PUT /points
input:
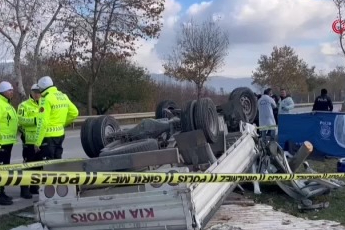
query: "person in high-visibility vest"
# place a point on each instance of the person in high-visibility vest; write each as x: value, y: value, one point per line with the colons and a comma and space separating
x: 8, y: 131
x: 56, y: 111
x: 27, y: 119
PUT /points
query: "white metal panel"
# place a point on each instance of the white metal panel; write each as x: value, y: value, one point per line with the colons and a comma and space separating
x: 147, y: 210
x: 236, y: 160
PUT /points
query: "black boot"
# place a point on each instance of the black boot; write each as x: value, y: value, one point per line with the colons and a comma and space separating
x: 4, y: 199
x: 34, y: 189
x: 25, y: 192
x: 3, y: 194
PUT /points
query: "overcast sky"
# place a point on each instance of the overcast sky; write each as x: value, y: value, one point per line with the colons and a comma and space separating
x: 255, y: 26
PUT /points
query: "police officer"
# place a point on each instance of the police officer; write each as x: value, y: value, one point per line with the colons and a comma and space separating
x: 27, y: 118
x: 56, y: 112
x: 323, y: 102
x: 8, y: 131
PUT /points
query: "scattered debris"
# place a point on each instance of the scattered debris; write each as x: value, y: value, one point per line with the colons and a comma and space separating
x: 264, y: 217
x: 26, y: 215
x: 275, y: 160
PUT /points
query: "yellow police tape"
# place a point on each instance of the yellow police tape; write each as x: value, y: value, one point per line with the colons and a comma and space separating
x: 15, y: 178
x: 36, y: 164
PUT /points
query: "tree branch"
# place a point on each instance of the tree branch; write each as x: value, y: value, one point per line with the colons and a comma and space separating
x: 8, y: 38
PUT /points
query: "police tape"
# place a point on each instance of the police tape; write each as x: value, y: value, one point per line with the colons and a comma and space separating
x: 14, y: 178
x: 36, y: 164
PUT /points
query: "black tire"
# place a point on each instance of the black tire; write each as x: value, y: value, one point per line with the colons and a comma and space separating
x: 103, y: 126
x: 132, y: 147
x: 206, y: 119
x: 237, y: 114
x: 167, y: 104
x: 86, y: 138
x: 187, y: 117
x: 247, y: 99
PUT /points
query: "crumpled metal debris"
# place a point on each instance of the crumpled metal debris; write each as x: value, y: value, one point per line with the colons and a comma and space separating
x: 275, y: 160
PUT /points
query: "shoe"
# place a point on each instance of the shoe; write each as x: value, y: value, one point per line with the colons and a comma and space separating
x: 3, y: 194
x: 6, y: 197
x: 4, y: 201
x: 34, y: 189
x: 25, y: 192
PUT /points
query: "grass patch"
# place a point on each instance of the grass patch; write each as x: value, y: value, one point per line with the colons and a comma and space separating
x: 10, y: 221
x: 274, y: 196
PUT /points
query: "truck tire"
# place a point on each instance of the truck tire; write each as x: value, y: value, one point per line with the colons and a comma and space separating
x: 86, y: 138
x: 206, y: 119
x: 132, y: 147
x: 103, y: 126
x: 248, y: 101
x: 187, y: 116
x: 237, y: 114
x: 166, y: 104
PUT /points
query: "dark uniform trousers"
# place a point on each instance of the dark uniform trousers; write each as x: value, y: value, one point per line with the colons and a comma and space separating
x: 5, y: 154
x: 5, y: 158
x: 51, y: 147
x: 29, y: 155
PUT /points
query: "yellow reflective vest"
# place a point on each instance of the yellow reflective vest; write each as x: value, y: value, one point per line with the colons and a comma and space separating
x: 56, y: 111
x: 8, y: 122
x: 27, y: 116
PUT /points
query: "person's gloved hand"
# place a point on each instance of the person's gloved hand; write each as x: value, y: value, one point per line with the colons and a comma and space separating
x: 283, y: 108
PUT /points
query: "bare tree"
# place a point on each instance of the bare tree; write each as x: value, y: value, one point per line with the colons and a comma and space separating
x: 101, y: 28
x: 340, y: 4
x: 25, y: 23
x: 200, y: 50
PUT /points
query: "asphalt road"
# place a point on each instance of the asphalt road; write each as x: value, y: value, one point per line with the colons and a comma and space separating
x: 72, y: 149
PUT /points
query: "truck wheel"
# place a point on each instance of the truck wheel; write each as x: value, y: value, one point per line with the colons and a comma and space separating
x: 248, y: 101
x: 167, y: 104
x: 206, y: 119
x: 237, y: 114
x: 132, y: 147
x: 187, y: 117
x: 103, y: 126
x: 86, y: 138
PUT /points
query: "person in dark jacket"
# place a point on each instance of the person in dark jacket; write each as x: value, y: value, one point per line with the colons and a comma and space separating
x: 323, y: 102
x: 275, y: 110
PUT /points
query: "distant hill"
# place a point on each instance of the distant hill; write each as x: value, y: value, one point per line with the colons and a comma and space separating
x: 216, y: 82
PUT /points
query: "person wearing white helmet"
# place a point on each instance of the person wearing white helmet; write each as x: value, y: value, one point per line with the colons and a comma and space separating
x: 27, y: 118
x: 8, y: 131
x: 56, y: 111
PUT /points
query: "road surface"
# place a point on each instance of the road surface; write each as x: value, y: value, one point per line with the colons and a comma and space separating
x: 72, y: 149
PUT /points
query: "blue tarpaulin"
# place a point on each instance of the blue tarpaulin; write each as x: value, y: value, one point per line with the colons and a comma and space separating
x: 325, y: 130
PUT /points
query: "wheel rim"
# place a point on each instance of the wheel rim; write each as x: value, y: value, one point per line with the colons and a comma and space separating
x: 109, y: 129
x: 246, y: 104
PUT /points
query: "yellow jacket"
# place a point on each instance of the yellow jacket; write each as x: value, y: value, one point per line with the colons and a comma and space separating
x: 8, y: 122
x: 27, y: 116
x: 56, y: 111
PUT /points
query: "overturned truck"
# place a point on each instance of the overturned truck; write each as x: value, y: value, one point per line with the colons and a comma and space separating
x: 200, y: 137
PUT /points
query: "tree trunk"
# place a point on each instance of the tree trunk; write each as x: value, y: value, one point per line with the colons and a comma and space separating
x: 35, y: 65
x: 18, y: 76
x: 98, y: 110
x: 89, y: 99
x: 199, y: 90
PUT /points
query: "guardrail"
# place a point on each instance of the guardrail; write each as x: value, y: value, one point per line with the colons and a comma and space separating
x: 133, y: 118
x: 301, y: 105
